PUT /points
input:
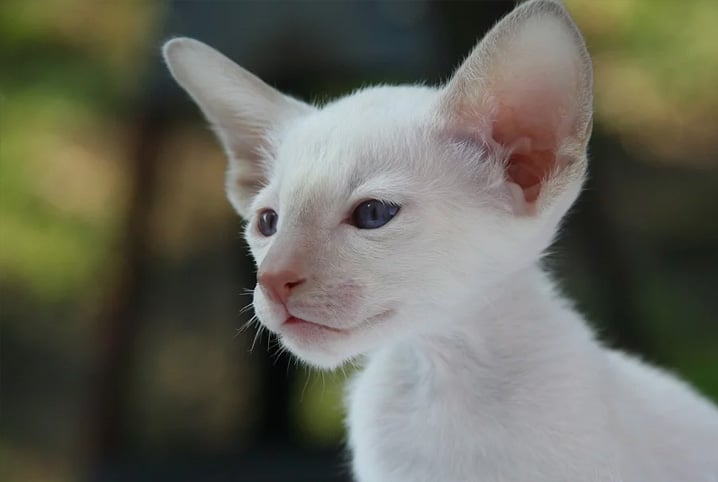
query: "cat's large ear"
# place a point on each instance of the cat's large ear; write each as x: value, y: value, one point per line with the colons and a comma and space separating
x: 525, y: 95
x: 244, y: 112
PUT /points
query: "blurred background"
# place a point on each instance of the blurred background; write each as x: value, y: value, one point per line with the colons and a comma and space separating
x: 122, y: 268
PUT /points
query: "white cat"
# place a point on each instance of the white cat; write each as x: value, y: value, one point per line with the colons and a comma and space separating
x: 405, y: 226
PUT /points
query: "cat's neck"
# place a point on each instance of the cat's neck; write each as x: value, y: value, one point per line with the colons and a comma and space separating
x: 508, y: 328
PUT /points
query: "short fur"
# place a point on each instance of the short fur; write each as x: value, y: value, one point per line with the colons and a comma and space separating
x: 475, y: 368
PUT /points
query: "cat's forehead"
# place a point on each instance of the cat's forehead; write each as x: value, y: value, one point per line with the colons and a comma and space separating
x: 361, y: 138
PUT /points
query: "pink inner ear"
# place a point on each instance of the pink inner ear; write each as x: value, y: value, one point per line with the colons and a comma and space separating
x: 528, y: 171
x: 531, y: 134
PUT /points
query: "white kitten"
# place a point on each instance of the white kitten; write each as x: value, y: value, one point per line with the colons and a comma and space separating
x: 406, y: 224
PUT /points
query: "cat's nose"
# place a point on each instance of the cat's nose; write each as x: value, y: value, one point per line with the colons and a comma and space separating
x: 278, y: 285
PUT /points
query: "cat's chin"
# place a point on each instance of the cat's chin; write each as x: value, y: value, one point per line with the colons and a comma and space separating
x: 318, y: 346
x: 327, y: 347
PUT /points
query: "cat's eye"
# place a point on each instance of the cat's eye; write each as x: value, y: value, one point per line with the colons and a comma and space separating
x: 267, y: 222
x: 372, y: 214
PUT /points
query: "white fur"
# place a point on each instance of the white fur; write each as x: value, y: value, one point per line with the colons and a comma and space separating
x: 475, y: 367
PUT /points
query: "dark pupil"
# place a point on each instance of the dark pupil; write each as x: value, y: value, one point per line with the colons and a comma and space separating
x: 268, y: 222
x: 374, y: 214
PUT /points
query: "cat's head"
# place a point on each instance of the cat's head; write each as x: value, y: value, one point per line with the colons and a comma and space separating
x: 372, y: 216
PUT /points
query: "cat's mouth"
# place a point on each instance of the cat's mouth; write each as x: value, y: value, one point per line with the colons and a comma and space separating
x: 309, y: 332
x: 294, y: 323
x: 326, y: 345
x: 305, y: 328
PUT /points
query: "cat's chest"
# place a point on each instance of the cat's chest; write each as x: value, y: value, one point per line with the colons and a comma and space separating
x: 413, y: 422
x: 404, y: 421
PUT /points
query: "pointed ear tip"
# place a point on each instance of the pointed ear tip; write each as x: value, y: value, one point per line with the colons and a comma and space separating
x: 554, y: 8
x: 172, y: 47
x: 557, y: 9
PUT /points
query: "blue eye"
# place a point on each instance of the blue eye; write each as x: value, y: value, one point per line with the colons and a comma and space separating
x: 373, y: 214
x: 267, y: 222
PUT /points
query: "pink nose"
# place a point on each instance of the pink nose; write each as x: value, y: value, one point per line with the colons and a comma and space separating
x: 278, y: 285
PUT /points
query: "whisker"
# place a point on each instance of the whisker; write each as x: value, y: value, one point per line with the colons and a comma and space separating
x: 257, y: 336
x: 246, y: 307
x: 278, y: 351
x: 246, y: 325
x: 308, y: 374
